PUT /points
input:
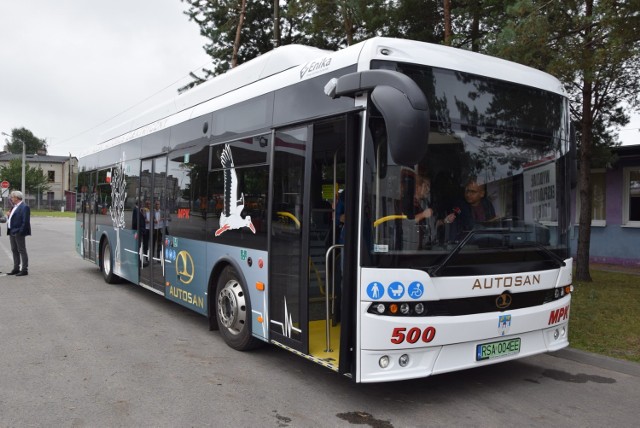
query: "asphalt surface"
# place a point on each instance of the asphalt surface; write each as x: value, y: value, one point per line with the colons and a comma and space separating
x: 77, y: 352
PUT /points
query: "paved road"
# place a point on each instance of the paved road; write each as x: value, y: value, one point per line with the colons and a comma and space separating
x: 77, y: 352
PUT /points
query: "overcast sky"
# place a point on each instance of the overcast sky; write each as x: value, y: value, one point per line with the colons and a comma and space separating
x: 68, y: 68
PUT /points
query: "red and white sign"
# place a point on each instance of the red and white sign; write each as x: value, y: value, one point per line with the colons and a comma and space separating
x: 4, y: 184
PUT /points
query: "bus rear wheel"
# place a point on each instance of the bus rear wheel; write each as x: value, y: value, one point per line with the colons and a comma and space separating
x: 233, y: 311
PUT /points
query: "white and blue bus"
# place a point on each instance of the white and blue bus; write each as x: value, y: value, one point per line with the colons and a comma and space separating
x: 280, y: 200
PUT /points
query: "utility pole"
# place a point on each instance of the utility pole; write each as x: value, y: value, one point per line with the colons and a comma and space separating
x: 24, y: 158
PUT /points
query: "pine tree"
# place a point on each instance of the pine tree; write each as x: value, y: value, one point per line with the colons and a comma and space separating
x: 593, y: 47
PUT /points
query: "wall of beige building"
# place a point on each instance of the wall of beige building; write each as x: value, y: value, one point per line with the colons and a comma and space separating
x: 64, y: 172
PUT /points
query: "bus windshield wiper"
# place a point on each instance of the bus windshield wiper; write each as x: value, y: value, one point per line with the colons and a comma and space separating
x: 510, y: 239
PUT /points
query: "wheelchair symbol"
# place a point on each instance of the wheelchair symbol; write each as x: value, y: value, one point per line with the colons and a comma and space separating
x: 416, y: 290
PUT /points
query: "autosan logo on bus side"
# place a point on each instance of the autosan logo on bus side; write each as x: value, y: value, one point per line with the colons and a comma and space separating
x: 315, y: 66
x: 185, y: 269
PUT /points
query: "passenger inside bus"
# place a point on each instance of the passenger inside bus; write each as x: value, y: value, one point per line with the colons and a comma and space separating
x: 473, y: 208
x: 425, y: 212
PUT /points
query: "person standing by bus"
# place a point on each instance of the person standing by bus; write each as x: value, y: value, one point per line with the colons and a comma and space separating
x: 158, y: 226
x: 18, y: 228
x: 146, y: 231
x: 138, y: 224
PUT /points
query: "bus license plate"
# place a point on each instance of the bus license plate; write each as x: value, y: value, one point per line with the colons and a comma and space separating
x: 502, y: 348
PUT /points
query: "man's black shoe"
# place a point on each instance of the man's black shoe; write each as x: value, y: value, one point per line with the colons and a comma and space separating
x: 13, y: 272
x: 22, y: 273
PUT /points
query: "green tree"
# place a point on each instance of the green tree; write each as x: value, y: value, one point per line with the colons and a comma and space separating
x: 218, y: 21
x: 327, y: 24
x: 593, y: 47
x: 20, y: 136
x: 335, y: 24
x: 421, y: 20
x: 35, y: 179
x: 475, y: 23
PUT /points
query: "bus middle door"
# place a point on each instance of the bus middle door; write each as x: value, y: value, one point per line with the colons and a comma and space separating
x: 153, y: 178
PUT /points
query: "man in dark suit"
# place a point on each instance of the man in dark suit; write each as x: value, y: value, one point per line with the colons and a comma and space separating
x: 18, y: 228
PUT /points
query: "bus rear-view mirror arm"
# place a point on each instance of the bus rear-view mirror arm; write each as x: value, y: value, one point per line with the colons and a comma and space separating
x: 400, y: 101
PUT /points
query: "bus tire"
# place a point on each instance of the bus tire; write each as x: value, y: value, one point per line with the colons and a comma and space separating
x: 106, y: 264
x: 233, y: 311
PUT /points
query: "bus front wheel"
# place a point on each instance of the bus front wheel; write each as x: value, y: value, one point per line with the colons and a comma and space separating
x: 233, y: 311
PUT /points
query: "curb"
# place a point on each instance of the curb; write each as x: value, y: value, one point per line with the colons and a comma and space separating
x: 621, y: 366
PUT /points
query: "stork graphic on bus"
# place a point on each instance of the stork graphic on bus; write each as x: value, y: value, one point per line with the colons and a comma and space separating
x: 231, y: 215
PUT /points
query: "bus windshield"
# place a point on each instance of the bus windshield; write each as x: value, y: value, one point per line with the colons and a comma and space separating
x: 490, y: 190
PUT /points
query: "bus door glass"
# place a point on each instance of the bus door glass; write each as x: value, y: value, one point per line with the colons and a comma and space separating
x: 326, y: 237
x: 153, y: 177
x: 288, y: 256
x: 86, y: 186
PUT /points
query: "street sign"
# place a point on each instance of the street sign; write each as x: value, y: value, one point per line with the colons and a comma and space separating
x: 4, y: 184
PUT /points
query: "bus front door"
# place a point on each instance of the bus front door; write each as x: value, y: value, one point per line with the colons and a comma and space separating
x: 305, y: 252
x: 288, y: 254
x: 327, y: 204
x: 151, y: 237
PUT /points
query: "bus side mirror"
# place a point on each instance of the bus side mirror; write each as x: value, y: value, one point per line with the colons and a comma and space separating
x: 402, y: 104
x: 407, y: 127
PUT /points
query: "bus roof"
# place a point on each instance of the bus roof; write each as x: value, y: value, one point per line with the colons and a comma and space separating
x: 289, y: 64
x: 446, y: 57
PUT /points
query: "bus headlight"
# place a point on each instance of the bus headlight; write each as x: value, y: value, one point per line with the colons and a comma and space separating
x: 404, y: 308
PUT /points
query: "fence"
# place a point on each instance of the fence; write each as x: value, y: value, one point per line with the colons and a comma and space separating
x: 44, y: 205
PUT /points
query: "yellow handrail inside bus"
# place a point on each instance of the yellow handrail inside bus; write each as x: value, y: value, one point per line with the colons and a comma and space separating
x: 291, y: 216
x: 381, y: 220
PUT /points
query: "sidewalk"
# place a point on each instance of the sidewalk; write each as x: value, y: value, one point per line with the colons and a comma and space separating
x: 621, y: 366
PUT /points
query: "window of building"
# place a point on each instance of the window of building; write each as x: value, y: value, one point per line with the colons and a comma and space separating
x: 52, y: 176
x: 631, y: 197
x: 598, y: 199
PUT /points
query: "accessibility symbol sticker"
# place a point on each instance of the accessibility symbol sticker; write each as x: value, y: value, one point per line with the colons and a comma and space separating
x: 396, y: 290
x: 375, y: 290
x: 415, y: 290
